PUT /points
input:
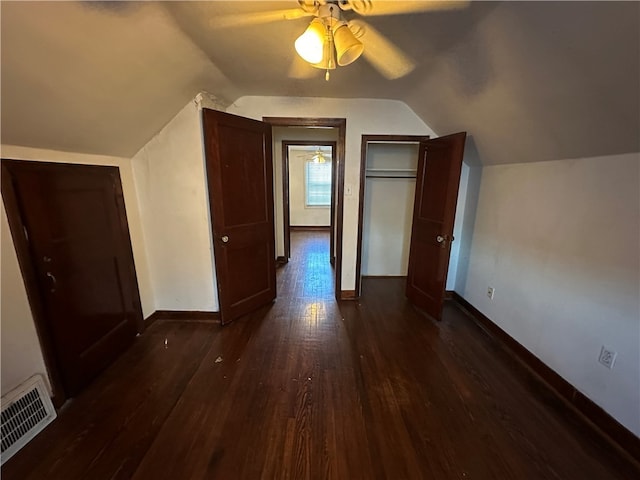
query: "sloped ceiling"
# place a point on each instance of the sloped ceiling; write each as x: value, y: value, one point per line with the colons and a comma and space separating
x: 529, y: 81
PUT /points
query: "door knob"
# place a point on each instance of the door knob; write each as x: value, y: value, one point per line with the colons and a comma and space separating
x: 53, y: 281
x: 439, y: 239
x: 224, y: 239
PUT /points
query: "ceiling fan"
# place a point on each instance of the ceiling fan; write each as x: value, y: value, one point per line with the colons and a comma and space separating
x: 317, y: 156
x: 332, y: 40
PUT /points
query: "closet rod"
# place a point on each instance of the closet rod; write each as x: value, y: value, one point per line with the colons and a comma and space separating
x: 390, y: 176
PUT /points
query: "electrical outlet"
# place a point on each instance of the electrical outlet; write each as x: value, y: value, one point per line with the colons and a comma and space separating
x: 607, y: 357
x: 490, y: 292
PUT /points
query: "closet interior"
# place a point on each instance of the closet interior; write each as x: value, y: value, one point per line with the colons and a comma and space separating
x: 389, y: 189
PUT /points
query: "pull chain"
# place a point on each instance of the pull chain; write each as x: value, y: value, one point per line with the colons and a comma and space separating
x: 330, y: 50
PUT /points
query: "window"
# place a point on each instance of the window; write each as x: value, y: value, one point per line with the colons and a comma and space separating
x: 317, y: 179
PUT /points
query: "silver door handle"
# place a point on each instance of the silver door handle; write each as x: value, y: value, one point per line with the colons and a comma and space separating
x: 54, y: 282
x: 224, y: 239
x: 439, y: 239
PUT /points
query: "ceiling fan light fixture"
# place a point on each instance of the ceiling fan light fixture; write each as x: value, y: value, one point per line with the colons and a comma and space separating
x: 328, y: 61
x: 348, y: 47
x: 311, y: 44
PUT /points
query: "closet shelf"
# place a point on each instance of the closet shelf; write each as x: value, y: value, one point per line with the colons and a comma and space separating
x: 390, y: 173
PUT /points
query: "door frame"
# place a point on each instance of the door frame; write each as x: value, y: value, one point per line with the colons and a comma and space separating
x: 27, y: 263
x: 286, y: 205
x: 341, y: 125
x: 366, y: 139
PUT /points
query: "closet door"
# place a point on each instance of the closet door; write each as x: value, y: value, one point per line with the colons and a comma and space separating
x: 77, y: 262
x: 438, y: 177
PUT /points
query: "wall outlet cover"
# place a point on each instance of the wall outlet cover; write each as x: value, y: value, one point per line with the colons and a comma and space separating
x: 490, y: 292
x: 607, y: 357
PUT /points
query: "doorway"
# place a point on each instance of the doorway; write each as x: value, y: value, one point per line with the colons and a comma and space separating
x: 308, y: 189
x: 437, y: 178
x: 387, y: 193
x: 339, y: 126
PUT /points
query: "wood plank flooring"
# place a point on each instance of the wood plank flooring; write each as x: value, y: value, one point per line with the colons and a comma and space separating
x: 308, y: 388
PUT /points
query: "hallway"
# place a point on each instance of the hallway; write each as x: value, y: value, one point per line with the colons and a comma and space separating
x: 310, y: 388
x: 308, y: 273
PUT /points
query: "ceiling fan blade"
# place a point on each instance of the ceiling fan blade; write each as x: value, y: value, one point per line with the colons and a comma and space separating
x: 257, y: 18
x: 383, y: 55
x: 386, y: 7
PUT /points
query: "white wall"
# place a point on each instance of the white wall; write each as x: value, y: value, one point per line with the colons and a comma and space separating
x: 460, y: 245
x: 21, y: 352
x: 364, y: 116
x: 386, y: 228
x: 169, y: 173
x: 560, y: 243
x: 300, y: 213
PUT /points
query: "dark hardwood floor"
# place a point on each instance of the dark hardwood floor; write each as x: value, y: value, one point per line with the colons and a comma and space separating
x: 311, y: 389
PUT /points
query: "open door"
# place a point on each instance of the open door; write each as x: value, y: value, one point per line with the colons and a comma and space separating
x: 438, y: 177
x: 240, y: 179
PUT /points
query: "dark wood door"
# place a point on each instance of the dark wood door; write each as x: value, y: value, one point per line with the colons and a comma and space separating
x: 240, y: 179
x: 79, y: 251
x: 438, y: 177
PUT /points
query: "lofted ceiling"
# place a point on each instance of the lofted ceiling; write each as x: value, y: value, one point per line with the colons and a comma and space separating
x: 529, y: 81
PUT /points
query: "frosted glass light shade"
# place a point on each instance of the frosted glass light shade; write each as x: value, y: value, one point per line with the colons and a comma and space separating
x: 348, y: 47
x: 310, y: 44
x: 328, y: 61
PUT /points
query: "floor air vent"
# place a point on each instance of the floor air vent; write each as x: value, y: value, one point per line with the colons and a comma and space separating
x: 25, y: 412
